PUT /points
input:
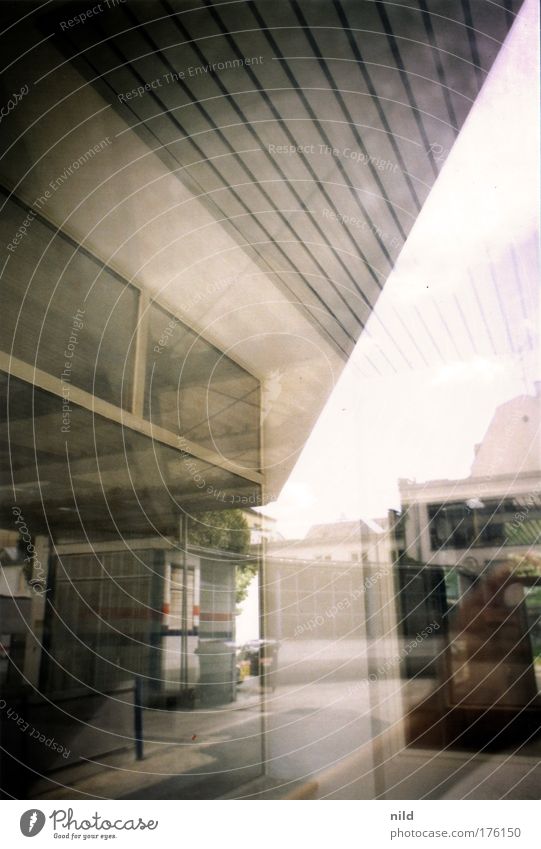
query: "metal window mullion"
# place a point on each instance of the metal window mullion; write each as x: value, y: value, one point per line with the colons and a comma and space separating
x: 140, y: 359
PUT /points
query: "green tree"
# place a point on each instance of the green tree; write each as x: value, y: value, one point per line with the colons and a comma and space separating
x: 225, y: 530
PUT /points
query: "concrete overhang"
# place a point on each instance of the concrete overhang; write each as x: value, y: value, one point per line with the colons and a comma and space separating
x: 264, y: 201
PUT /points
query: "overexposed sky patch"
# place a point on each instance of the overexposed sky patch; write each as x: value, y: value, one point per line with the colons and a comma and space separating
x: 477, y: 230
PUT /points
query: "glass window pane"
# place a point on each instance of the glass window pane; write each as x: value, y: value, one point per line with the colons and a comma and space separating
x: 194, y: 390
x: 67, y: 314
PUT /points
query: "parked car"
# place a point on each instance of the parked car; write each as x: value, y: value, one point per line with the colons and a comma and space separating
x: 263, y: 658
x: 242, y: 664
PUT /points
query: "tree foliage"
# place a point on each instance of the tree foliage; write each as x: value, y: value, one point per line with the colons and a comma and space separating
x: 225, y: 530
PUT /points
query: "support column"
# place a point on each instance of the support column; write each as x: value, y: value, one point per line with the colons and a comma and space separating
x: 34, y: 638
x: 183, y: 534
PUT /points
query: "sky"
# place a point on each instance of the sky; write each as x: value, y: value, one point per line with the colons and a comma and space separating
x: 393, y: 414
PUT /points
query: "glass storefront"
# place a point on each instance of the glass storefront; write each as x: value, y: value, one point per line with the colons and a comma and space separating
x: 271, y: 493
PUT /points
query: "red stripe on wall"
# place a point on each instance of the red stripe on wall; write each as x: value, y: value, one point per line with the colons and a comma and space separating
x: 216, y: 617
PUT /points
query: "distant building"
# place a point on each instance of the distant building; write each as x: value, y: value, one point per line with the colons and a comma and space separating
x: 262, y: 527
x: 478, y: 521
x: 452, y: 533
x: 320, y: 585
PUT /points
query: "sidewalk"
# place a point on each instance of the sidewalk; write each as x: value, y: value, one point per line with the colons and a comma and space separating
x: 182, y: 747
